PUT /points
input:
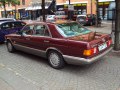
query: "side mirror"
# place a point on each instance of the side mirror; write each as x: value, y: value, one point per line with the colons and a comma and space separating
x: 21, y: 33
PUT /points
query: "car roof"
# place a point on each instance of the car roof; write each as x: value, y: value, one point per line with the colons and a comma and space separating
x: 9, y: 21
x: 7, y: 18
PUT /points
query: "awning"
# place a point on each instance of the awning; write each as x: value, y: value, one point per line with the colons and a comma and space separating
x: 105, y: 0
x: 29, y: 8
x: 35, y: 8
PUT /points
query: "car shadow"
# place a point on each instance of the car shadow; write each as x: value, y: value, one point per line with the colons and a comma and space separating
x: 32, y: 57
x: 84, y: 68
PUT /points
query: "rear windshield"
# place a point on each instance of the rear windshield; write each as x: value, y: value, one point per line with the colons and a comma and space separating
x: 81, y: 17
x: 71, y: 29
x: 60, y: 13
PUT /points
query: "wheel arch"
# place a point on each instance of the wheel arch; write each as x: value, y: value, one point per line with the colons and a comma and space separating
x: 54, y: 49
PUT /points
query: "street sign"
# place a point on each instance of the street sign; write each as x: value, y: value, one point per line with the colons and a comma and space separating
x: 70, y: 7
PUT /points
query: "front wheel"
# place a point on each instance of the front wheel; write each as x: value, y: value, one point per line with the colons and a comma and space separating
x: 10, y: 47
x: 56, y: 60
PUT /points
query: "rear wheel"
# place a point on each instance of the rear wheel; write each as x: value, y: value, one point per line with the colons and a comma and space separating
x: 56, y: 60
x: 10, y: 47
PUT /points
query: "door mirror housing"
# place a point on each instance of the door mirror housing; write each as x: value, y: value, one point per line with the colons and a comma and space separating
x: 21, y: 33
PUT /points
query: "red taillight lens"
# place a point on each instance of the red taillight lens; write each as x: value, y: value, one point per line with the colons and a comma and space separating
x: 86, y: 19
x: 109, y: 42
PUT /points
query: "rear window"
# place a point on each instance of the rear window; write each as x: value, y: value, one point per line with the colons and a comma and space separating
x: 71, y: 29
x: 60, y: 13
x: 82, y: 16
x: 50, y: 16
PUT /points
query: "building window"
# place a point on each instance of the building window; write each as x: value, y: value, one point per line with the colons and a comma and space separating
x: 23, y: 2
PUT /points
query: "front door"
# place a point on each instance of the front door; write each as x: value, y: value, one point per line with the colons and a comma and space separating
x: 22, y: 40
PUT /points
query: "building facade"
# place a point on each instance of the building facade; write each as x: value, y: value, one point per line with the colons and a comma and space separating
x: 89, y: 6
x: 20, y: 9
x: 32, y: 8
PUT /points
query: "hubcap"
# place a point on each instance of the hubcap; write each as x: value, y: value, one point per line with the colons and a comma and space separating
x: 54, y: 59
x: 9, y: 46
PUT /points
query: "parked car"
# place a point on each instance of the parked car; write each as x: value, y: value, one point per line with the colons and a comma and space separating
x: 7, y: 19
x: 61, y: 15
x: 61, y: 42
x: 89, y: 19
x: 50, y: 18
x: 8, y: 27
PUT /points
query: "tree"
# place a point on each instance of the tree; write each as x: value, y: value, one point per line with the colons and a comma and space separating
x: 15, y: 3
x: 117, y: 26
x: 5, y: 2
x: 97, y: 13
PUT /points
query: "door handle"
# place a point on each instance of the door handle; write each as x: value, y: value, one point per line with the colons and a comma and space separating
x: 46, y: 41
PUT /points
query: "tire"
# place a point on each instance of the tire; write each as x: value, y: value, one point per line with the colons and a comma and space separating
x: 10, y: 47
x: 56, y: 60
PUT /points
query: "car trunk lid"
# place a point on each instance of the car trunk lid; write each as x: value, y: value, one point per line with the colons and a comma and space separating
x: 97, y: 42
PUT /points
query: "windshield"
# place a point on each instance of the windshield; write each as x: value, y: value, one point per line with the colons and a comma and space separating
x: 71, y: 29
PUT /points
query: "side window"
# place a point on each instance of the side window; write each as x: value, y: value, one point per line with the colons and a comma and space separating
x: 13, y: 24
x: 41, y: 30
x: 28, y: 30
x: 5, y: 26
x: 19, y: 24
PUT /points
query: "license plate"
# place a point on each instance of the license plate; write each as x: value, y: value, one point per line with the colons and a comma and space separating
x: 103, y: 46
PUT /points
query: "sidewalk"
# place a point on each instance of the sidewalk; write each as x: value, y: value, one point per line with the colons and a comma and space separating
x: 106, y: 21
x: 4, y: 85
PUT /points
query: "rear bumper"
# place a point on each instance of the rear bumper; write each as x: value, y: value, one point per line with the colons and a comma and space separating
x: 79, y: 61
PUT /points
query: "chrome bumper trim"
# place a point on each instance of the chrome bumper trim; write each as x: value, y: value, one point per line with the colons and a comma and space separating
x: 78, y: 60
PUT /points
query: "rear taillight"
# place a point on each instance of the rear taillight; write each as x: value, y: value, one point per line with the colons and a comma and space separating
x: 90, y: 52
x: 86, y: 19
x: 109, y: 42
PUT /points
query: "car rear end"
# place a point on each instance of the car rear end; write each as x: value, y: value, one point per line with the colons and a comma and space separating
x: 50, y: 18
x: 92, y: 50
x: 60, y: 15
x: 82, y: 19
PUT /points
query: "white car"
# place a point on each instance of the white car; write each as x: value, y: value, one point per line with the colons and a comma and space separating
x: 50, y: 18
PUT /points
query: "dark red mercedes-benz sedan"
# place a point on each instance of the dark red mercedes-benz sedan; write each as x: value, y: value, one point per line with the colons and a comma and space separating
x: 60, y: 42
